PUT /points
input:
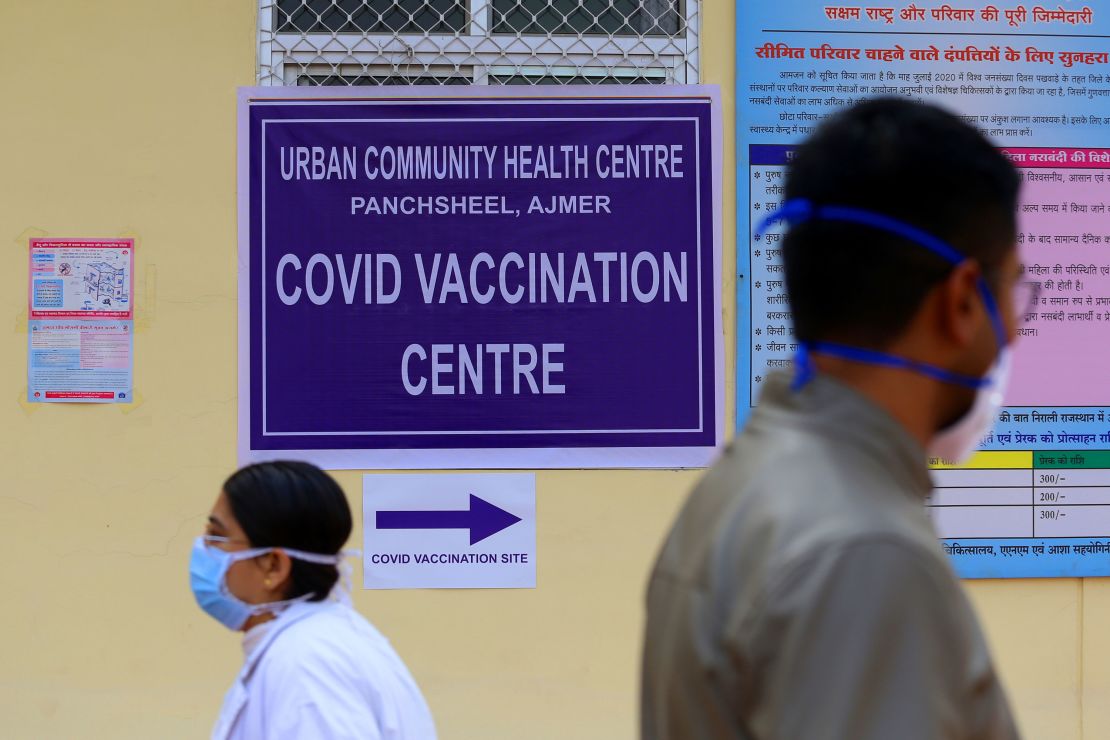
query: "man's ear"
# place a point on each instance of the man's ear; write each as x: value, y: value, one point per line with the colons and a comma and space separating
x: 959, y: 305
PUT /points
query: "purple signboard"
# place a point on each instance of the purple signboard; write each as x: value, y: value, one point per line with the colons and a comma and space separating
x: 493, y: 278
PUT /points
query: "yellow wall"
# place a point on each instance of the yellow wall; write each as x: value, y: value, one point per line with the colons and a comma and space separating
x: 118, y: 119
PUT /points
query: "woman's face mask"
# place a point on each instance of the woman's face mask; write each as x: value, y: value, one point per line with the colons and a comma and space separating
x: 208, y: 566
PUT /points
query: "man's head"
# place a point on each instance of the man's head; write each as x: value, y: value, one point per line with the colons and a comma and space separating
x: 862, y: 286
x: 918, y: 164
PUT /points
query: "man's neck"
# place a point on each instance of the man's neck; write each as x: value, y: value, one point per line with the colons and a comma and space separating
x: 910, y: 398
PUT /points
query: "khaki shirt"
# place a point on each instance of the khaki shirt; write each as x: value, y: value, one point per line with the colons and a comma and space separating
x: 803, y: 594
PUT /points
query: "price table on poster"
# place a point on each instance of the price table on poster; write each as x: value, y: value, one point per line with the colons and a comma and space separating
x: 1050, y: 508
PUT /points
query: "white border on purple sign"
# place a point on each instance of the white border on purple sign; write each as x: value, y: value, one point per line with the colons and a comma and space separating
x: 469, y: 459
x: 477, y: 433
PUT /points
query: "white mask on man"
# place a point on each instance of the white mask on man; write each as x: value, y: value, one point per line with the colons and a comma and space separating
x: 959, y: 440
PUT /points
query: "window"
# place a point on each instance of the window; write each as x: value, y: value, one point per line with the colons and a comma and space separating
x: 595, y: 17
x: 453, y: 42
x: 371, y: 16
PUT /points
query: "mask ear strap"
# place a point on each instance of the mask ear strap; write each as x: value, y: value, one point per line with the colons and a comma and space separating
x: 891, y: 225
x: 799, y: 210
x: 792, y: 212
x: 248, y: 554
x: 803, y: 368
x: 882, y: 359
x: 992, y: 312
x: 341, y: 592
x: 314, y: 557
x: 277, y: 606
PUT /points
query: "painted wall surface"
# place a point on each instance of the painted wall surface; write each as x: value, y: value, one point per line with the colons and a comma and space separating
x: 118, y: 119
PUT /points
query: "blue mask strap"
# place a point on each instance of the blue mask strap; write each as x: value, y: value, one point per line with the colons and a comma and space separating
x: 872, y: 357
x: 992, y: 312
x: 804, y: 370
x: 800, y: 210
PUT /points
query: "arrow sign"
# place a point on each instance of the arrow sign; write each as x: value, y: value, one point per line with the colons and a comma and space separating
x: 483, y: 519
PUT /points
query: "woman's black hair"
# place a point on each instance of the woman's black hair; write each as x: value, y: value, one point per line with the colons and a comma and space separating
x: 294, y: 505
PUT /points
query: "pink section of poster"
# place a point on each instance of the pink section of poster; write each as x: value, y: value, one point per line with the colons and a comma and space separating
x: 1064, y: 238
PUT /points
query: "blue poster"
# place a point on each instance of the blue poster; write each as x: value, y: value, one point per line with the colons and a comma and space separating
x: 487, y: 279
x: 1036, y: 79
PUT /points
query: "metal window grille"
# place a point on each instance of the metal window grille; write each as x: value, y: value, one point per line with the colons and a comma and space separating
x: 484, y: 42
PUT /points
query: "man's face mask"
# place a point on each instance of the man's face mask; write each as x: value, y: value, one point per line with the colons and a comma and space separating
x: 957, y: 441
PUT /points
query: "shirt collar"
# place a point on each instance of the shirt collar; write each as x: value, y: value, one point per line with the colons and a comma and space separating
x: 831, y: 408
x: 253, y: 637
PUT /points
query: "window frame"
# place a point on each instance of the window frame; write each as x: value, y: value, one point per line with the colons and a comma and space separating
x: 284, y: 57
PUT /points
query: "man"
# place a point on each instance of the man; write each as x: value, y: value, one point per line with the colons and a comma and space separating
x: 802, y: 593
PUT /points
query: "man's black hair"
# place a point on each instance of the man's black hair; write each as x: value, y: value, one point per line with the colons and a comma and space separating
x: 911, y: 161
x: 294, y: 505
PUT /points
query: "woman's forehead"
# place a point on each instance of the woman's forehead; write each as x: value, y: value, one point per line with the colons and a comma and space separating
x: 222, y: 517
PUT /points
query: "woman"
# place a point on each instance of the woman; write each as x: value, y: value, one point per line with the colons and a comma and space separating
x: 314, y: 668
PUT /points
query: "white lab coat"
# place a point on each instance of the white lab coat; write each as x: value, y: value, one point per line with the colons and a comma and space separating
x: 323, y: 672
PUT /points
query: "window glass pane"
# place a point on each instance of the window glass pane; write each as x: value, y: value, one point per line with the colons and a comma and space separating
x: 371, y: 16
x: 371, y: 80
x: 601, y: 17
x: 522, y: 79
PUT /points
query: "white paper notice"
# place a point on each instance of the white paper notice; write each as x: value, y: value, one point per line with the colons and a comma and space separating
x: 80, y: 329
x: 449, y: 531
x: 82, y: 279
x: 79, y: 361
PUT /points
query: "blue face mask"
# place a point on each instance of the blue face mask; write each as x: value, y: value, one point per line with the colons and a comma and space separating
x: 208, y: 568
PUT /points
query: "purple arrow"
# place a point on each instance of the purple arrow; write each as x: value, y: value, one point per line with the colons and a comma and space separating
x: 483, y: 519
